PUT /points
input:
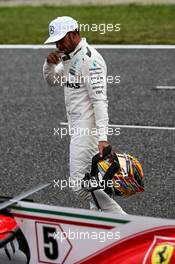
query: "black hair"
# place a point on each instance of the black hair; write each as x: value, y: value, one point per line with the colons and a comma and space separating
x: 77, y: 31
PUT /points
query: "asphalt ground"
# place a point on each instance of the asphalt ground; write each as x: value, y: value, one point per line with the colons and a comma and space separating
x: 30, y: 110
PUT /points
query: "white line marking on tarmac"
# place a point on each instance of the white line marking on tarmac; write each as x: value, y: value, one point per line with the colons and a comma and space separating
x: 97, y: 46
x: 165, y: 87
x: 132, y: 126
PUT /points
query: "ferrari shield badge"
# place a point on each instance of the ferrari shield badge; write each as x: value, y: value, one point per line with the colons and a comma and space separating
x: 161, y: 251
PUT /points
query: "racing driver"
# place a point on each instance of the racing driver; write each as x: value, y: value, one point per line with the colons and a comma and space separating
x: 84, y: 73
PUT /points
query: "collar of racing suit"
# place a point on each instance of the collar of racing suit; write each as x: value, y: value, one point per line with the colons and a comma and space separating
x: 76, y: 50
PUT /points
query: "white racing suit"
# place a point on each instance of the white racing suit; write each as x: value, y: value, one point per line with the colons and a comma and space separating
x: 83, y: 75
